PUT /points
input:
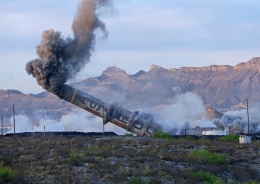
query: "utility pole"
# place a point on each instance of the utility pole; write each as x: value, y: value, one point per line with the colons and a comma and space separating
x: 103, y: 121
x: 185, y: 129
x: 14, y: 118
x: 103, y: 130
x: 247, y: 116
x: 2, y: 119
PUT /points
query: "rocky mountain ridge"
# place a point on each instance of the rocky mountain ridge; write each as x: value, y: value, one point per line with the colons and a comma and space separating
x: 219, y: 86
x: 254, y: 63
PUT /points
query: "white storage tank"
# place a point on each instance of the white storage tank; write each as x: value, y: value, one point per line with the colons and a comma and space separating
x: 215, y: 132
x: 244, y: 139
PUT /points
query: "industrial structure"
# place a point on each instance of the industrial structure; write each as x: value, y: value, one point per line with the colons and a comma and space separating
x: 142, y: 124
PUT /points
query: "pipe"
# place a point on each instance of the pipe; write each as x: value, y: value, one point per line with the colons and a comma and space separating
x: 142, y: 124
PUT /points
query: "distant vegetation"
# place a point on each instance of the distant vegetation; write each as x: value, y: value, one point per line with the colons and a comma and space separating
x: 209, y: 157
x: 206, y: 177
x: 230, y: 138
x: 138, y: 180
x: 162, y: 135
x: 128, y: 134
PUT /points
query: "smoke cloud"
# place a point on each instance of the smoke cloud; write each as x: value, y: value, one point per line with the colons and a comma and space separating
x: 60, y: 59
x: 237, y: 122
x: 81, y: 121
x: 182, y: 113
x: 21, y: 126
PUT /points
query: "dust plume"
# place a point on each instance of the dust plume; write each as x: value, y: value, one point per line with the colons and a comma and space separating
x: 81, y: 121
x: 183, y: 112
x: 237, y: 121
x: 60, y: 59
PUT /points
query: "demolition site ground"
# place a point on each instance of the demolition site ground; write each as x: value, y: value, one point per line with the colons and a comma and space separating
x: 85, y: 159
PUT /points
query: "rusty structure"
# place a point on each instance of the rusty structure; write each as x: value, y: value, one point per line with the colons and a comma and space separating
x: 141, y: 124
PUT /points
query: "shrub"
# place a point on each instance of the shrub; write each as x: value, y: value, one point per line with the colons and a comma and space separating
x: 6, y: 174
x: 191, y: 138
x: 253, y: 182
x: 94, y: 148
x: 162, y: 135
x: 230, y: 138
x: 76, y: 158
x: 74, y: 155
x: 128, y: 135
x: 208, y: 157
x: 138, y: 180
x: 206, y: 177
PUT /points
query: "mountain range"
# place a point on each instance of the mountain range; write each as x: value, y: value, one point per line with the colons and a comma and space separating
x: 219, y: 86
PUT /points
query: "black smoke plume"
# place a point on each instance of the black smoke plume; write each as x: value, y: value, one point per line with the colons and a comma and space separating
x: 60, y: 59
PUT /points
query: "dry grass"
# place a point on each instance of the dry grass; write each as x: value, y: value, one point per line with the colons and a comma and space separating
x: 57, y: 159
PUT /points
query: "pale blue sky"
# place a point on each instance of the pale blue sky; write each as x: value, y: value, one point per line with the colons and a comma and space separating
x: 168, y: 33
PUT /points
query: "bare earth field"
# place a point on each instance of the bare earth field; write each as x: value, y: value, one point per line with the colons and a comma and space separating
x: 82, y: 159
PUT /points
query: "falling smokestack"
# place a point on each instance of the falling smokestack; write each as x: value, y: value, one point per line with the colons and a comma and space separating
x: 61, y: 59
x: 141, y: 124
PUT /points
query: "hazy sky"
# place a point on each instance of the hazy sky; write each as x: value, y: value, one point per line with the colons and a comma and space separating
x: 168, y: 33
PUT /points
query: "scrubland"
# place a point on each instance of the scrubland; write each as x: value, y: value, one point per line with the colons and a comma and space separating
x: 82, y: 159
